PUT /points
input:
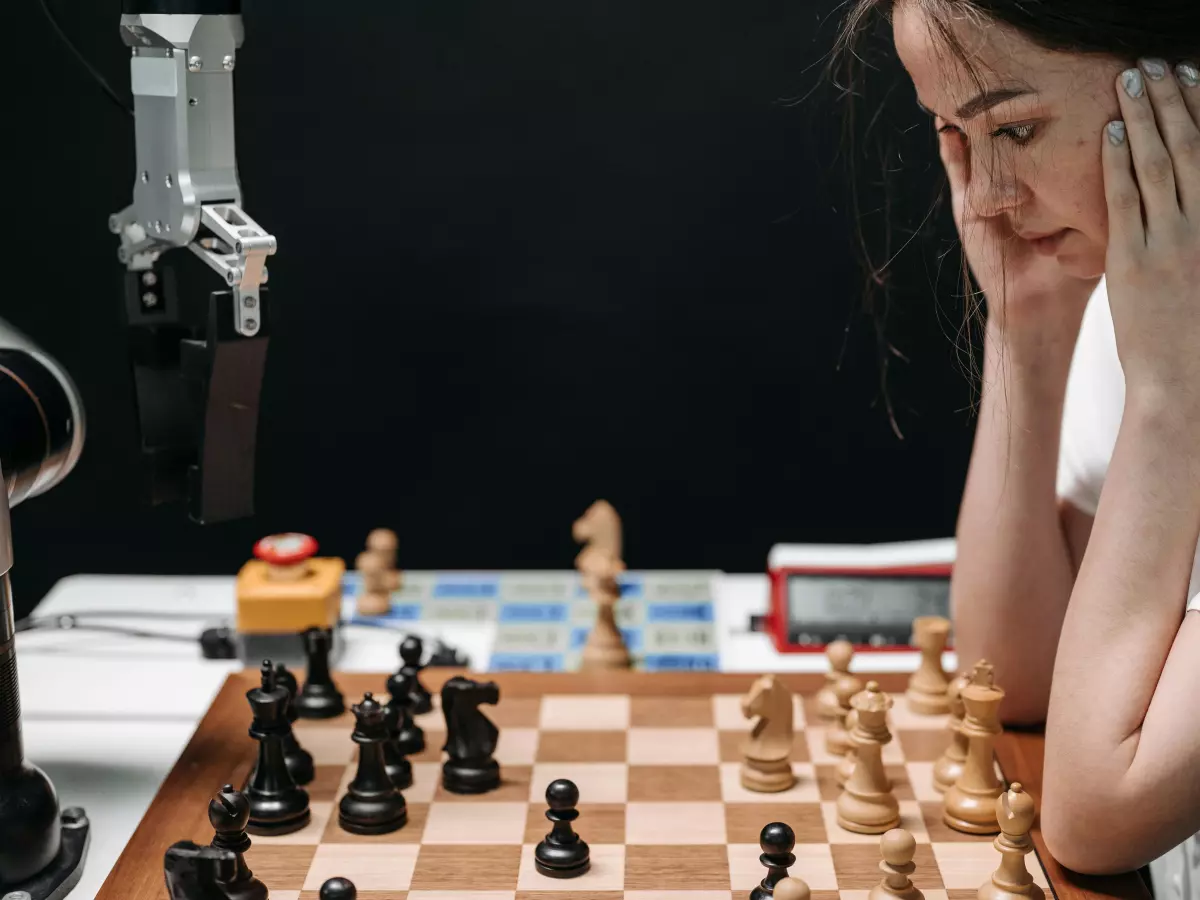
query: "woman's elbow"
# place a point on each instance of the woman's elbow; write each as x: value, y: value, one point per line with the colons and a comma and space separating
x: 1085, y: 841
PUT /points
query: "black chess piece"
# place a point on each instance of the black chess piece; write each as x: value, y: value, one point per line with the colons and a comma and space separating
x: 404, y: 736
x: 319, y: 698
x: 372, y: 804
x: 470, y: 737
x: 562, y: 853
x: 229, y: 813
x: 338, y: 889
x: 277, y: 804
x: 193, y: 872
x: 411, y: 651
x: 299, y: 761
x: 777, y: 841
x: 445, y: 656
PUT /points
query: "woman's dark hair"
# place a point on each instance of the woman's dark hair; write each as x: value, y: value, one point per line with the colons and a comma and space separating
x: 1122, y: 29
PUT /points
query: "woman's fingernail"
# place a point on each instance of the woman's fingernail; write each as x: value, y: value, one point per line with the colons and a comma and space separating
x: 1189, y: 75
x: 1155, y: 69
x: 1116, y: 133
x: 1134, y: 85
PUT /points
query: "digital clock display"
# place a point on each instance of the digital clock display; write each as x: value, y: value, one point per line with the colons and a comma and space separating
x: 864, y: 609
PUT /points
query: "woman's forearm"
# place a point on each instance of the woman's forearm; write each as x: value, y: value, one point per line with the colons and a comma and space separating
x: 1013, y: 571
x: 1123, y: 737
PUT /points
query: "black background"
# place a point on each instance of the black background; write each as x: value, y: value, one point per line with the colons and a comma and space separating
x: 531, y: 253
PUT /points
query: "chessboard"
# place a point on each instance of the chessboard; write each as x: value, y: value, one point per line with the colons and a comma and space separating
x: 656, y: 760
x: 542, y: 619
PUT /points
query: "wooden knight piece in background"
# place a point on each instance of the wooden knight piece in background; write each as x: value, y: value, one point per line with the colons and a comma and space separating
x: 599, y: 564
x: 767, y: 753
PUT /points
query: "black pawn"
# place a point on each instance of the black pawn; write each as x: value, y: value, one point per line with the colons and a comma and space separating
x: 338, y: 889
x: 229, y: 813
x: 319, y: 698
x: 372, y: 805
x: 776, y: 841
x: 562, y: 854
x: 399, y: 722
x: 277, y: 804
x: 299, y: 761
x: 411, y: 651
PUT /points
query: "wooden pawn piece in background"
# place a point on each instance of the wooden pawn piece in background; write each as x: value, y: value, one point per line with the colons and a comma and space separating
x: 837, y: 738
x: 839, y: 654
x: 926, y: 693
x: 949, y: 766
x: 898, y: 848
x: 792, y: 888
x: 375, y: 597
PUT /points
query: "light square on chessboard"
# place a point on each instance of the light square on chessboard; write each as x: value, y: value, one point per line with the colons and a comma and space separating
x: 727, y: 713
x: 923, y: 746
x: 731, y: 744
x: 857, y: 866
x: 678, y: 895
x: 361, y: 895
x: 319, y: 814
x: 514, y: 786
x: 426, y: 778
x: 578, y: 712
x: 598, y: 823
x: 282, y: 866
x: 814, y: 863
x: 483, y: 823
x: 940, y: 832
x: 902, y: 718
x: 597, y: 782
x: 677, y: 868
x: 675, y: 823
x: 920, y: 776
x: 830, y: 790
x: 606, y: 873
x: 968, y: 865
x: 910, y: 820
x: 452, y: 895
x: 672, y: 746
x: 372, y: 867
x: 892, y: 753
x: 328, y: 746
x: 482, y: 868
x: 865, y: 895
x: 287, y: 895
x: 411, y: 832
x: 674, y: 783
x: 582, y: 895
x: 516, y: 746
x: 571, y: 746
x: 744, y: 822
x: 671, y: 712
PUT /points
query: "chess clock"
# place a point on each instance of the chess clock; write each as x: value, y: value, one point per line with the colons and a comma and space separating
x: 868, y: 595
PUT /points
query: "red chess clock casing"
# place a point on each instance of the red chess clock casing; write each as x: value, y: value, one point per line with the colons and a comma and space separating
x: 868, y: 595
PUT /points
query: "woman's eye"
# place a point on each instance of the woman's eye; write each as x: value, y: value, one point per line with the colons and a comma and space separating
x: 1018, y: 134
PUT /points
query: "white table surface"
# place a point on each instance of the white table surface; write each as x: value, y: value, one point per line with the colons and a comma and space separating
x: 107, y: 716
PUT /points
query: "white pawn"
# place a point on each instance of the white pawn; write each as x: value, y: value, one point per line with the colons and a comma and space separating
x: 898, y: 848
x: 839, y: 654
x: 791, y: 888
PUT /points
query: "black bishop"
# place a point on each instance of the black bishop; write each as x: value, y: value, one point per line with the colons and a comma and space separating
x: 229, y: 813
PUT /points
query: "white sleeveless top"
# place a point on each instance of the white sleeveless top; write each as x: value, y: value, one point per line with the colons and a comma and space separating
x: 1092, y: 417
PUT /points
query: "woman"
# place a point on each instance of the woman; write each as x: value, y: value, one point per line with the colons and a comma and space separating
x: 1068, y: 130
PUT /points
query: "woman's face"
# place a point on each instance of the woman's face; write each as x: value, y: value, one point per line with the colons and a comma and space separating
x: 1034, y: 129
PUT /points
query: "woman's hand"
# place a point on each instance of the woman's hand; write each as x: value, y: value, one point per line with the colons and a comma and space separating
x: 1152, y: 183
x: 1028, y: 294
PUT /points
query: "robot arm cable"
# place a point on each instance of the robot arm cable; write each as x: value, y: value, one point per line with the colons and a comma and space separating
x: 83, y: 61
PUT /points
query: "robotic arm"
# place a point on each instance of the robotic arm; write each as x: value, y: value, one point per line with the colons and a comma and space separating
x: 197, y: 367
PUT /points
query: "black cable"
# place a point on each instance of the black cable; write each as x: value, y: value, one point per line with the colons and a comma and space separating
x: 82, y: 59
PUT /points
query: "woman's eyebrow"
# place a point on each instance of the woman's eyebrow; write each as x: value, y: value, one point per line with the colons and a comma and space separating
x: 981, y: 104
